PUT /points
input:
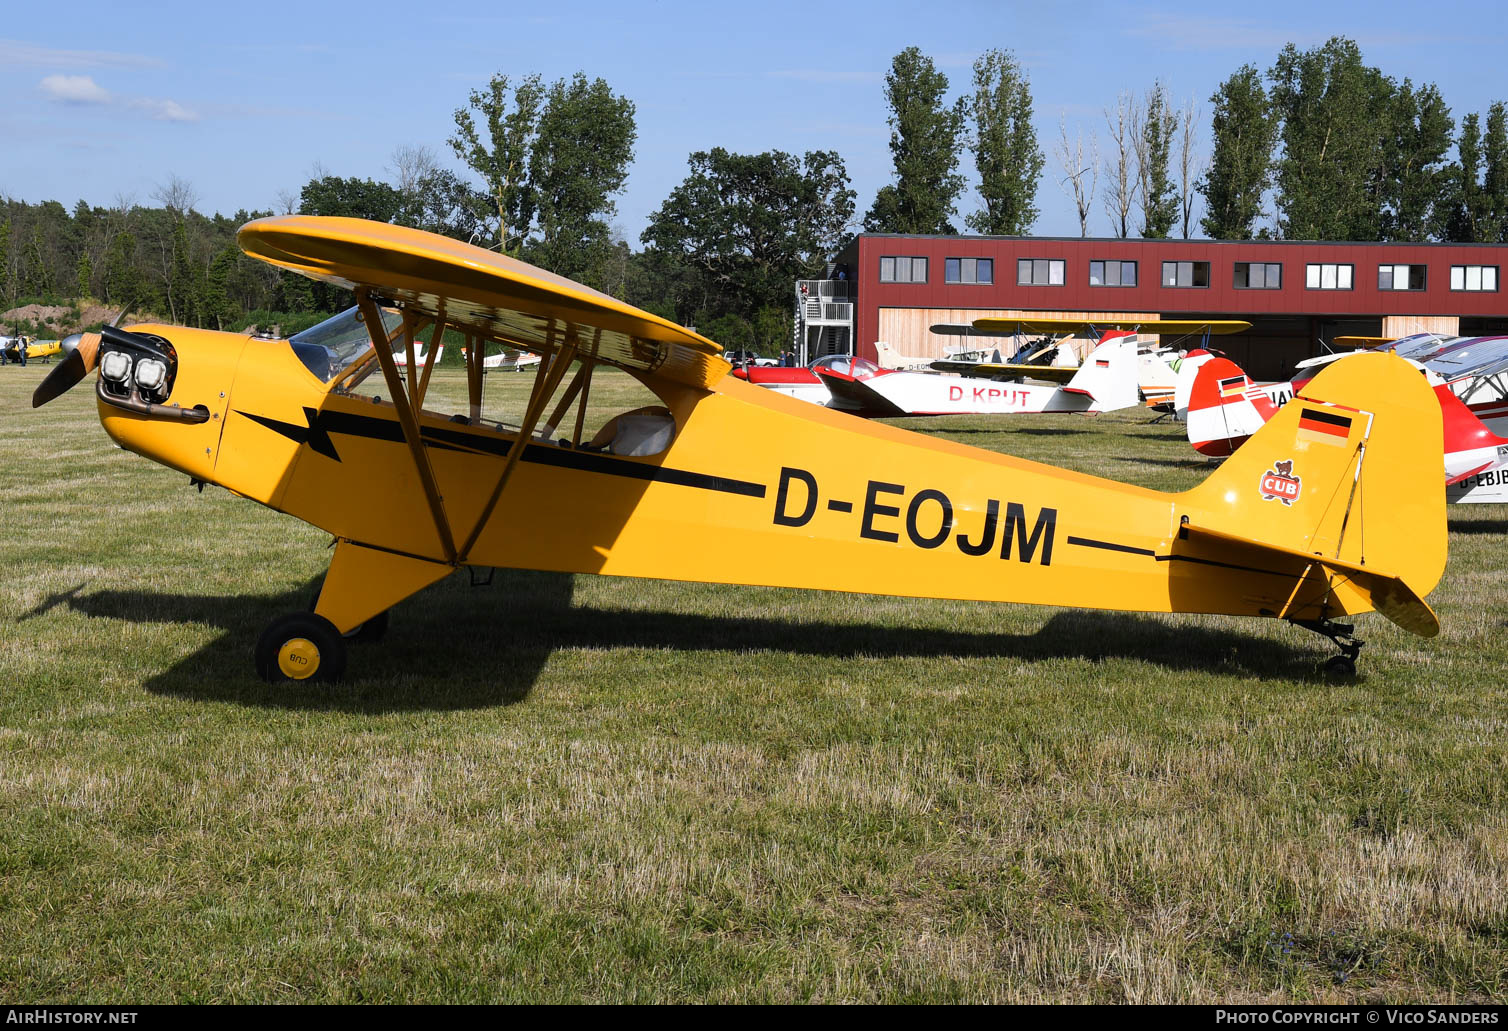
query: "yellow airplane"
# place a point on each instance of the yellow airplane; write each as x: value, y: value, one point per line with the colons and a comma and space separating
x: 36, y: 350
x: 1300, y: 525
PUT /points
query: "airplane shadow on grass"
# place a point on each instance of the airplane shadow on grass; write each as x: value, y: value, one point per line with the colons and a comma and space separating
x: 1478, y: 526
x: 455, y: 648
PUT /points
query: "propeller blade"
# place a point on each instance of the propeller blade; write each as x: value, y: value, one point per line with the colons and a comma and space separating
x: 69, y: 371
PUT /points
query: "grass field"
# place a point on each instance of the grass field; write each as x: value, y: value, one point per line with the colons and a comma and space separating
x: 562, y: 788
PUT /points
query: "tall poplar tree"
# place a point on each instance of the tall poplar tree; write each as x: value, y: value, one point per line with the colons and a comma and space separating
x: 1154, y: 127
x: 1334, y: 111
x: 924, y: 139
x: 1005, y: 147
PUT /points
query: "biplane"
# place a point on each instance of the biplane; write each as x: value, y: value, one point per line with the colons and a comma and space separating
x: 322, y: 427
x: 1226, y: 407
x: 1156, y: 374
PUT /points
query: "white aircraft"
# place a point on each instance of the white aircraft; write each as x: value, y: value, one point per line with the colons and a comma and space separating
x: 1104, y: 383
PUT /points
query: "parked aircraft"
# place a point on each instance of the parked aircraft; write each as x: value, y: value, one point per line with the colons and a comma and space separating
x: 815, y: 498
x: 1226, y: 407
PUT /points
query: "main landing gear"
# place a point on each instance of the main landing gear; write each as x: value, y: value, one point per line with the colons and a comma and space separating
x: 303, y: 647
x: 359, y: 589
x: 1344, y: 664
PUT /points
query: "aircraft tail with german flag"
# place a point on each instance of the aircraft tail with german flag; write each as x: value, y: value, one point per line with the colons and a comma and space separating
x: 1339, y: 495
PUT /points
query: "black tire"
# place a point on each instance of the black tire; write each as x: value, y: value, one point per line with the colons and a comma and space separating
x: 1340, y: 666
x: 310, y: 641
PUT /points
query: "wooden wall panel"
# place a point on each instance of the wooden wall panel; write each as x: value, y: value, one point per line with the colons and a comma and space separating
x: 908, y: 330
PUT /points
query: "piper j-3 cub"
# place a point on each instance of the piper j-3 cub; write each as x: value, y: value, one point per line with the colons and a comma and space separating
x: 1286, y: 529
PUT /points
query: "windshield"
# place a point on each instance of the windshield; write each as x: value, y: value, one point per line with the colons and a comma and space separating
x: 331, y: 347
x: 847, y: 365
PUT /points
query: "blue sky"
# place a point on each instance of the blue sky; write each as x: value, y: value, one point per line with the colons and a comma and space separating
x: 108, y: 100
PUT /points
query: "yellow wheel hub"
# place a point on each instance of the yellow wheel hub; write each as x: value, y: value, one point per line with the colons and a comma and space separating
x: 298, y: 658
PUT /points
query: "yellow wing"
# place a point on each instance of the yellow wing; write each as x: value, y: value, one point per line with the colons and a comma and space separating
x: 1358, y: 341
x: 1214, y: 327
x: 1004, y: 370
x: 493, y: 295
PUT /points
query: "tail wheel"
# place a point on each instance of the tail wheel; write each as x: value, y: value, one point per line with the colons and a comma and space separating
x: 372, y: 631
x: 301, y: 648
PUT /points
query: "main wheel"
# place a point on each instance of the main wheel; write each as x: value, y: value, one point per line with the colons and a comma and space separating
x: 301, y: 647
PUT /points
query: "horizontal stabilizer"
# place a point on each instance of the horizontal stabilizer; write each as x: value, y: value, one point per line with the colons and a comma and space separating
x: 1389, y: 595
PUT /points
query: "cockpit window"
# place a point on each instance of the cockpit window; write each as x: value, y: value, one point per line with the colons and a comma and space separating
x: 847, y: 365
x: 331, y: 347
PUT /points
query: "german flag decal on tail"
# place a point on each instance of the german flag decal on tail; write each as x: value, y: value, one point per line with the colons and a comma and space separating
x: 1320, y: 426
x: 1235, y: 386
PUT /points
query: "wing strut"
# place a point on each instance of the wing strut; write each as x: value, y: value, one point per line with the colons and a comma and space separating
x: 432, y: 360
x: 410, y: 424
x: 551, y: 371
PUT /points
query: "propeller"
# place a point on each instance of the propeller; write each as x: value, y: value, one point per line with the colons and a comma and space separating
x: 82, y: 357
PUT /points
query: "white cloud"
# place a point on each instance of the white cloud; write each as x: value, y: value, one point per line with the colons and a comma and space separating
x: 165, y: 110
x: 75, y: 89
x: 16, y: 52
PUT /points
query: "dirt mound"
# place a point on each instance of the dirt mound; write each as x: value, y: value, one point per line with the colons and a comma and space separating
x: 46, y: 320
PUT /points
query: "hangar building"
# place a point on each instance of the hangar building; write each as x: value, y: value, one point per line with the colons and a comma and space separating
x: 1297, y: 295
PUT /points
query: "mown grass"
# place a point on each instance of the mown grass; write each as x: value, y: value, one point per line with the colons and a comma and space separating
x: 564, y: 788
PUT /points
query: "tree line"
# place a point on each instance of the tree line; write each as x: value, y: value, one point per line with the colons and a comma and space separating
x: 1320, y: 146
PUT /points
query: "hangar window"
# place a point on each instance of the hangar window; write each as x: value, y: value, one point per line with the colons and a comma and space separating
x: 1400, y: 277
x: 903, y: 270
x: 969, y: 270
x: 1256, y: 275
x: 1040, y: 271
x: 1474, y: 277
x: 1186, y: 273
x: 1325, y: 276
x: 1112, y: 273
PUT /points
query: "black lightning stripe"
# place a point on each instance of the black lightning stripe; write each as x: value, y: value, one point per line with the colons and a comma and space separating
x: 1089, y: 542
x: 321, y: 424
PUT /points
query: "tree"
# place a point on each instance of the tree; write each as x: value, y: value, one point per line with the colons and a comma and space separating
x: 1189, y: 163
x: 1334, y: 110
x: 177, y: 195
x: 442, y: 202
x: 7, y: 280
x: 924, y: 137
x: 1121, y: 189
x: 350, y: 198
x: 123, y: 280
x: 1074, y: 166
x: 1005, y: 147
x: 1495, y: 178
x: 1244, y: 130
x: 1153, y: 126
x: 578, y: 160
x: 179, y: 286
x: 502, y: 158
x: 1414, y: 178
x: 748, y: 226
x: 1467, y: 198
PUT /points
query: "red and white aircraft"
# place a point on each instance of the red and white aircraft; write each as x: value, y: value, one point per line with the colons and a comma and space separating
x: 1104, y: 383
x: 1226, y: 407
